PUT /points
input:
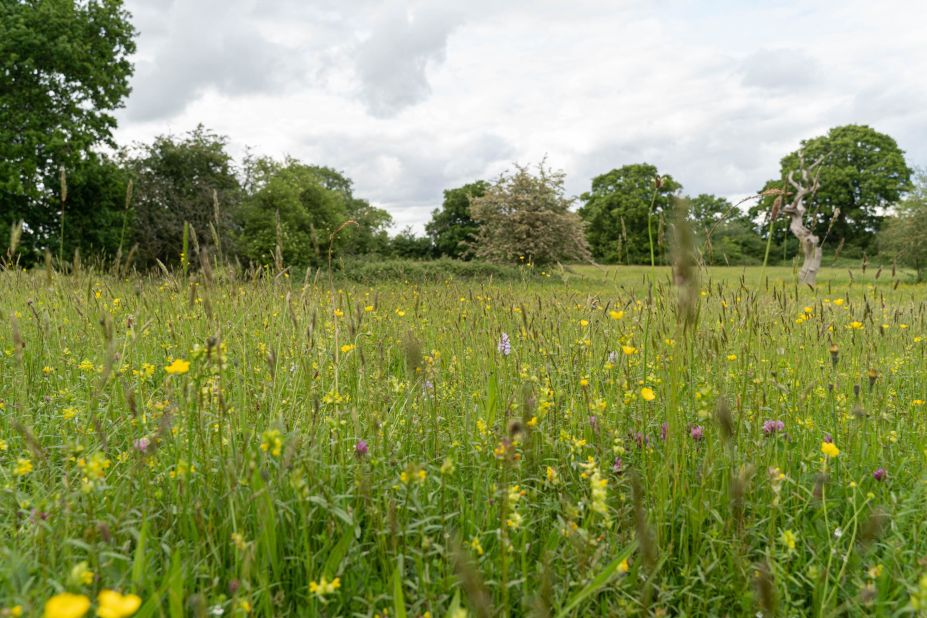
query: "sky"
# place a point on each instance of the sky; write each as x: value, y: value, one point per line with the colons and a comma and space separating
x: 409, y: 98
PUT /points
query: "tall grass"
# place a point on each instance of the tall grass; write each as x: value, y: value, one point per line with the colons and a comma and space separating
x: 375, y: 434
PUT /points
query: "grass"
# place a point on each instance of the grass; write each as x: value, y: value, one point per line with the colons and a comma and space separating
x: 342, y: 449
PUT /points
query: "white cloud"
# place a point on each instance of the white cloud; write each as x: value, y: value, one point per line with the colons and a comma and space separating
x: 412, y: 97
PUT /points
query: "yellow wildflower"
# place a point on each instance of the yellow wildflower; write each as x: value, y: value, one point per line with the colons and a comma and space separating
x: 115, y: 605
x: 272, y: 441
x: 789, y: 539
x: 324, y: 587
x: 81, y: 575
x: 66, y: 605
x: 648, y: 394
x: 23, y: 467
x: 551, y: 475
x: 178, y: 367
x: 830, y: 449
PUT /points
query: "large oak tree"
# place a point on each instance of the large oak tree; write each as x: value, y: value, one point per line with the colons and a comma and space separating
x: 617, y: 209
x: 862, y: 172
x: 64, y: 68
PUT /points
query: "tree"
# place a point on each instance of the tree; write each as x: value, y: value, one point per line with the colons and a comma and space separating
x: 370, y: 234
x: 290, y: 207
x: 724, y: 234
x: 902, y: 236
x: 452, y: 229
x: 64, y: 67
x: 525, y: 216
x: 862, y: 172
x: 301, y: 207
x: 181, y: 180
x: 618, y: 208
x: 804, y: 183
x: 96, y: 207
x: 407, y: 245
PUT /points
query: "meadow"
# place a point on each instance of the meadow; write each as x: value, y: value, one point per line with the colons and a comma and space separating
x: 574, y: 443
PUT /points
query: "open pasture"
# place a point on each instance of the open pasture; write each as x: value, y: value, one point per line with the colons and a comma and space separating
x: 564, y: 445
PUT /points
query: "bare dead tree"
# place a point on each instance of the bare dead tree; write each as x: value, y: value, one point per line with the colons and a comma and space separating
x: 805, y: 186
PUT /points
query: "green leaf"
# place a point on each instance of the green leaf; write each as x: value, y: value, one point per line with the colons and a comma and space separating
x: 598, y: 581
x: 337, y: 554
x: 399, y: 601
x: 138, y: 563
x: 175, y: 586
x: 454, y: 606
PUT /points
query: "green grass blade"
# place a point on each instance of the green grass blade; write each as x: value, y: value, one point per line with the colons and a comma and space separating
x: 600, y: 580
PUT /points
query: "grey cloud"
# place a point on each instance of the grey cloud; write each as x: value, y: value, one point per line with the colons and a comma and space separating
x: 731, y: 155
x: 349, y: 83
x: 780, y: 70
x: 408, y: 174
x: 188, y: 49
x: 392, y: 61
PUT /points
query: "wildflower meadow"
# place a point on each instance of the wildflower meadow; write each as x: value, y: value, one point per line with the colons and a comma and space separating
x: 595, y: 442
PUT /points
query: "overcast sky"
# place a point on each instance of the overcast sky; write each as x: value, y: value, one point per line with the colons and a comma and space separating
x: 410, y: 98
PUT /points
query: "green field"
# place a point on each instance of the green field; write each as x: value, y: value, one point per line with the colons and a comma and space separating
x: 232, y: 447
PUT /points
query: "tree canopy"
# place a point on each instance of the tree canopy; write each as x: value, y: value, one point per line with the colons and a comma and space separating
x: 903, y: 235
x: 862, y: 172
x: 452, y: 229
x: 724, y: 234
x: 300, y: 207
x: 616, y: 211
x: 525, y: 216
x: 190, y: 179
x: 64, y: 68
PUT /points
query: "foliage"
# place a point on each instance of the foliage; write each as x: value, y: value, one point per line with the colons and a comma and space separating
x: 189, y: 179
x: 862, y: 173
x: 301, y: 207
x: 407, y: 245
x: 904, y: 234
x: 284, y: 447
x: 526, y: 217
x: 452, y: 229
x: 617, y: 208
x: 95, y: 209
x: 64, y: 67
x: 369, y: 235
x: 724, y: 233
x: 375, y: 272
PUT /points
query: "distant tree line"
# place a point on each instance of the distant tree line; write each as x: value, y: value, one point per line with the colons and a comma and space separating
x: 67, y: 188
x: 866, y: 190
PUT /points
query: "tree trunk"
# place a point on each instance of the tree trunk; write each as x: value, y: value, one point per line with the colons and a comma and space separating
x: 809, y: 242
x: 810, y: 246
